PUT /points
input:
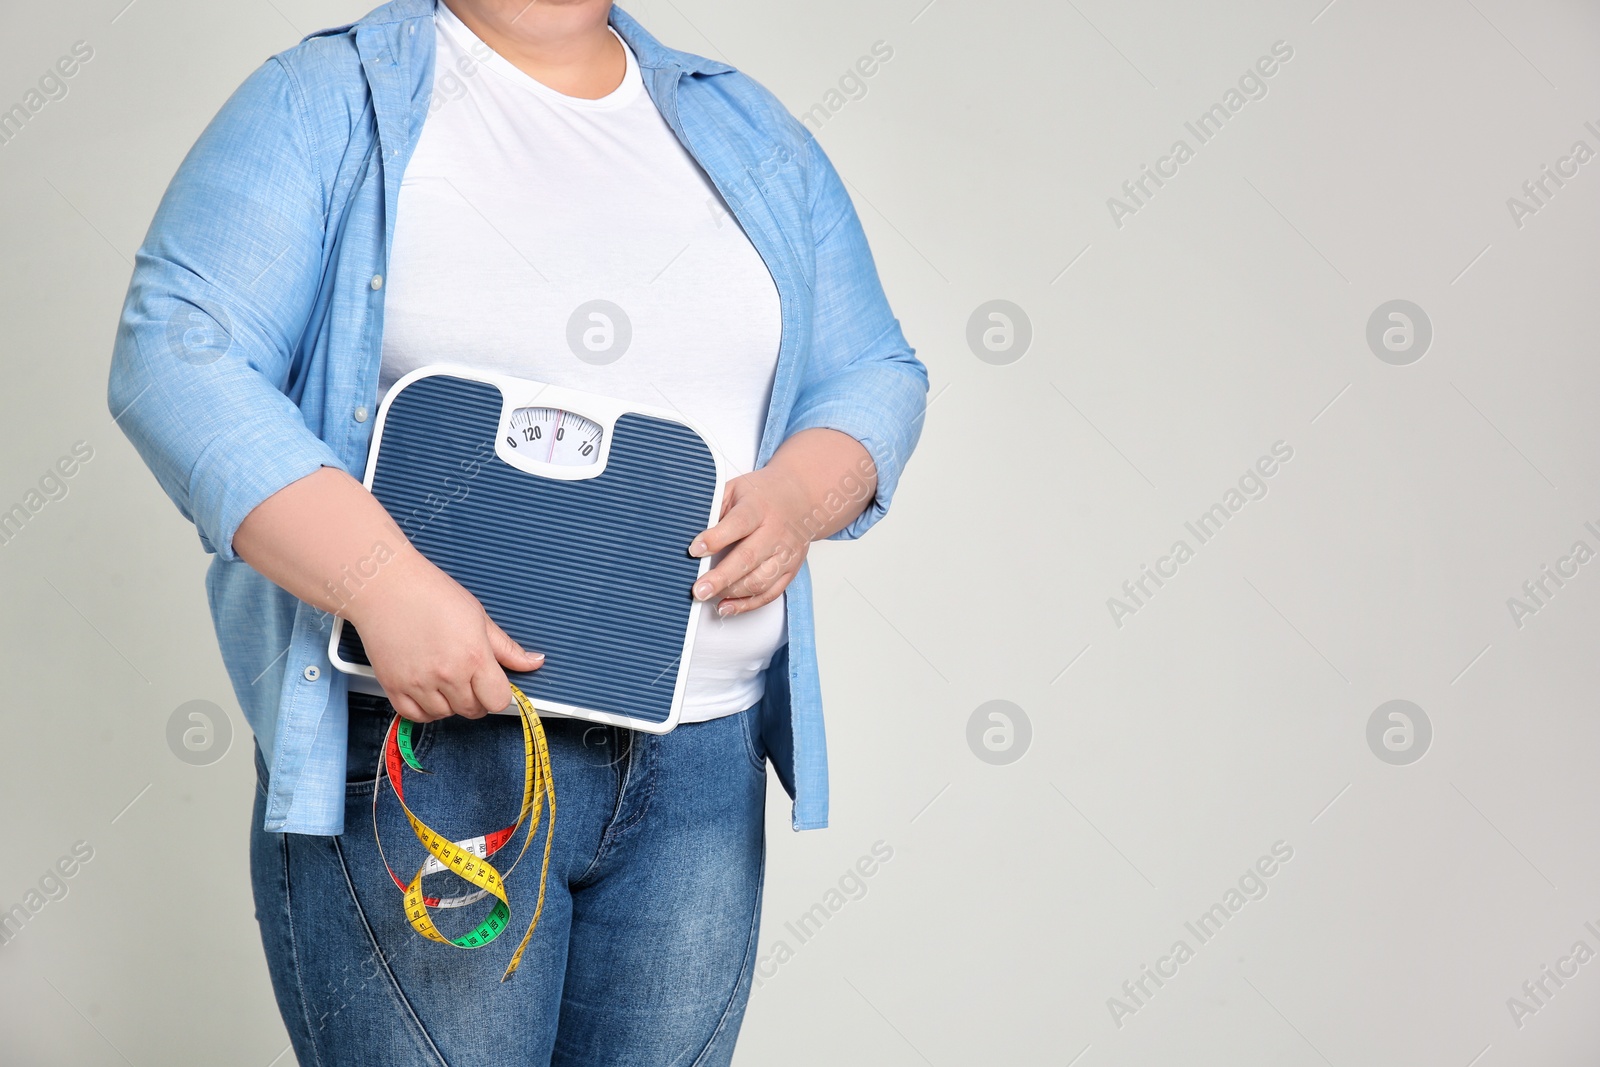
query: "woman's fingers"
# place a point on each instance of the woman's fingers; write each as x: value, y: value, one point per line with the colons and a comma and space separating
x: 491, y: 688
x: 461, y: 696
x: 754, y: 581
x: 511, y: 655
x: 423, y: 703
x: 490, y: 685
x: 737, y: 522
x: 782, y: 559
x: 738, y: 605
x: 407, y: 708
x: 739, y: 561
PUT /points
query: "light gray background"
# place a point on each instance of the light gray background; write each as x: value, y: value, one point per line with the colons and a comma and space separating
x: 1166, y: 755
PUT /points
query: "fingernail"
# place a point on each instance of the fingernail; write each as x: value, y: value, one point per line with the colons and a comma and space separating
x: 702, y: 590
x: 697, y: 549
x: 537, y: 657
x: 724, y: 608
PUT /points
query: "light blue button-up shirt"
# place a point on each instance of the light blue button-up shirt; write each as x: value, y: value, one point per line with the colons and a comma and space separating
x: 248, y: 351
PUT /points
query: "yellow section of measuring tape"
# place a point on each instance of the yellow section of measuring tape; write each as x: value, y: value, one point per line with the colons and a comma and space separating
x: 537, y: 787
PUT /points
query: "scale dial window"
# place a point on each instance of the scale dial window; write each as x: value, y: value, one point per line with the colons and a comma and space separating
x: 555, y: 436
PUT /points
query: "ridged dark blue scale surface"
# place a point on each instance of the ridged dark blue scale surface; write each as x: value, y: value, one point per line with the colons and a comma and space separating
x: 595, y: 574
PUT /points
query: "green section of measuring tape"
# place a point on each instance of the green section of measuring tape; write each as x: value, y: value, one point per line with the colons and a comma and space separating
x: 487, y: 930
x: 407, y: 743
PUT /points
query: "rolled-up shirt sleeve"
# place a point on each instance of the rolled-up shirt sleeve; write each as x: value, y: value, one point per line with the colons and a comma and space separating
x: 205, y: 352
x: 862, y: 379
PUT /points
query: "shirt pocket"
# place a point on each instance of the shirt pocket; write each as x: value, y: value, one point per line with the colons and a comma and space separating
x: 774, y: 199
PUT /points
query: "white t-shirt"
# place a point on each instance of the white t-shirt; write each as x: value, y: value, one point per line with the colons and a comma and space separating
x: 520, y: 208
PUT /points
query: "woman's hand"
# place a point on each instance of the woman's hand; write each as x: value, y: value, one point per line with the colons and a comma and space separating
x: 816, y: 483
x: 434, y: 649
x: 760, y: 519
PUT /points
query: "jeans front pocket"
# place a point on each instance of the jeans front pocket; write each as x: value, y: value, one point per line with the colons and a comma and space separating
x: 754, y: 747
x: 369, y: 726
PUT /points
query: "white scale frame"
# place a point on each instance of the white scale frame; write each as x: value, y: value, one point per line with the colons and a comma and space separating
x: 516, y: 394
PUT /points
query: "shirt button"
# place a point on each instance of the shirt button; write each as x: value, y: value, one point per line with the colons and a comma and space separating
x: 312, y: 673
x: 360, y: 414
x: 377, y: 281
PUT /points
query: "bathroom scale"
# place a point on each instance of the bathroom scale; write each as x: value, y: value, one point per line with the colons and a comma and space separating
x: 569, y: 516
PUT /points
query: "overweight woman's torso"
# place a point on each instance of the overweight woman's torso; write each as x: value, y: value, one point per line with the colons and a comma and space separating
x: 576, y: 242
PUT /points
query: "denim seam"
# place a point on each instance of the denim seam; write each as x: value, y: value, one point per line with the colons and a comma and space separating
x: 294, y: 949
x: 749, y: 959
x: 650, y: 786
x: 643, y: 806
x: 378, y: 954
x: 605, y: 835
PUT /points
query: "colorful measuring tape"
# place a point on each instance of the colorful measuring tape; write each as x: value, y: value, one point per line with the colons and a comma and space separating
x: 469, y: 859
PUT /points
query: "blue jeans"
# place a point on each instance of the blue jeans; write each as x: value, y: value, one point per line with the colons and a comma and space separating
x: 647, y: 943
